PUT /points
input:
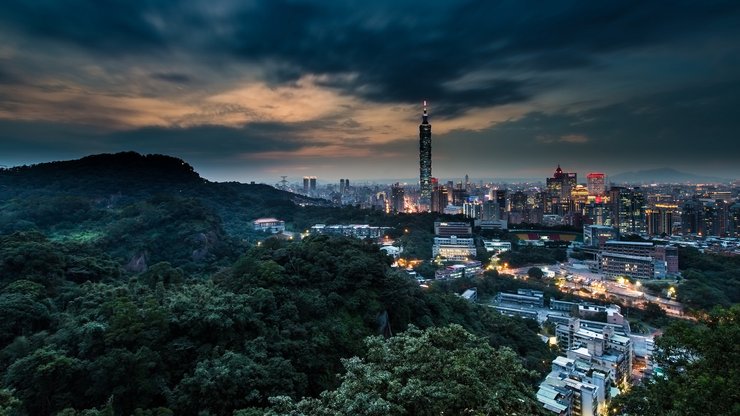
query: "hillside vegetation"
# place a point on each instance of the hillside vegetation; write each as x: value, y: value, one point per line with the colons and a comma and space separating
x: 124, y: 292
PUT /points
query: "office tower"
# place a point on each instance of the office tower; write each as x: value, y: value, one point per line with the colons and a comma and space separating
x: 691, y: 215
x: 596, y: 183
x: 559, y: 188
x: 518, y: 201
x: 342, y: 186
x: 472, y: 209
x: 628, y: 210
x: 306, y: 182
x: 313, y: 183
x: 489, y: 211
x: 597, y: 213
x: 397, y: 199
x: 500, y: 198
x: 722, y: 217
x: 440, y: 199
x: 734, y: 220
x: 459, y: 196
x: 467, y: 182
x: 425, y: 158
x: 660, y: 219
x: 346, y: 185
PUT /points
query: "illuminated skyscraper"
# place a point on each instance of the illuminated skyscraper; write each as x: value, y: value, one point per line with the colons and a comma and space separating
x: 425, y: 159
x: 596, y: 183
x: 558, y: 188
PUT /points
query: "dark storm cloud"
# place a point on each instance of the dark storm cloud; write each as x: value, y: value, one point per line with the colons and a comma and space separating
x: 173, y: 77
x: 394, y: 51
x: 105, y: 27
x: 401, y: 57
x: 694, y: 128
x: 8, y: 78
x: 460, y: 55
x: 18, y: 137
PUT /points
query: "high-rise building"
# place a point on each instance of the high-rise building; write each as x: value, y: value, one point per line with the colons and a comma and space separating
x: 660, y: 219
x: 518, y: 201
x: 489, y: 211
x: 734, y: 220
x: 628, y: 210
x: 558, y: 189
x: 596, y: 183
x: 313, y: 183
x: 397, y: 199
x: 440, y: 198
x: 425, y: 159
x: 500, y: 198
x: 705, y: 216
x: 342, y: 185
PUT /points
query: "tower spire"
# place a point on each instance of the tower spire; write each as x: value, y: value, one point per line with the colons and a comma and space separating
x: 425, y: 115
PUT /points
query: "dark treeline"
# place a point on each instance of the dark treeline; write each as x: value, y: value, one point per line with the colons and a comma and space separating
x: 699, y: 376
x: 79, y: 333
x: 708, y: 280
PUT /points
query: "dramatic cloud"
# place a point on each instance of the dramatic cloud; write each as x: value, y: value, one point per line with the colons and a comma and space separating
x: 264, y: 87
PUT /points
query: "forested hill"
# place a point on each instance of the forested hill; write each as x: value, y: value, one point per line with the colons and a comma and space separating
x: 104, y: 174
x: 140, y: 209
x: 124, y: 292
x: 109, y: 177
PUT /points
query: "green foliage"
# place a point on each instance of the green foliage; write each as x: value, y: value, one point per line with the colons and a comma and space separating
x: 47, y: 379
x: 700, y: 364
x: 529, y: 255
x: 278, y: 322
x: 8, y: 402
x: 535, y: 273
x: 708, y: 280
x: 404, y: 375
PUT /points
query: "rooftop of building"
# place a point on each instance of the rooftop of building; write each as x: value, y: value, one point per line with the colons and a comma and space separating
x: 266, y: 220
x: 630, y: 243
x: 626, y: 256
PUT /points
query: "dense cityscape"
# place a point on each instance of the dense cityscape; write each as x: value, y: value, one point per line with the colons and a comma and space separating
x: 619, y: 239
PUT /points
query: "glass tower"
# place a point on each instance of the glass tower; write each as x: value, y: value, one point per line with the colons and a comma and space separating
x: 425, y: 158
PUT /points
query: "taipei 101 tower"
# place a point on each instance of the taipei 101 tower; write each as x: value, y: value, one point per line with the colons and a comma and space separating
x: 425, y: 159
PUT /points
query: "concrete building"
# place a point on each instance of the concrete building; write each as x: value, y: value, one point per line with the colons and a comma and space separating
x: 350, y: 230
x: 497, y: 246
x: 398, y: 201
x: 614, y: 265
x: 595, y: 236
x: 534, y: 298
x: 269, y: 225
x: 454, y: 248
x: 633, y: 248
x: 607, y: 349
x: 572, y: 389
x: 456, y: 271
x: 448, y: 229
x: 643, y: 260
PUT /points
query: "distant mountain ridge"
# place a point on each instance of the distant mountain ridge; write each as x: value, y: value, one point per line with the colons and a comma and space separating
x: 663, y: 175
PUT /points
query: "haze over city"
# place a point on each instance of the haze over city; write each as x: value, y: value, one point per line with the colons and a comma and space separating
x: 254, y: 90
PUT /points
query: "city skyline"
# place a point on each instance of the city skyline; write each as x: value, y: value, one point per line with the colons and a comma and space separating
x: 253, y: 91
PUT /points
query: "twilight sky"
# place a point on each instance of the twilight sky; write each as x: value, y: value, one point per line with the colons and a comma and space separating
x: 251, y: 90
